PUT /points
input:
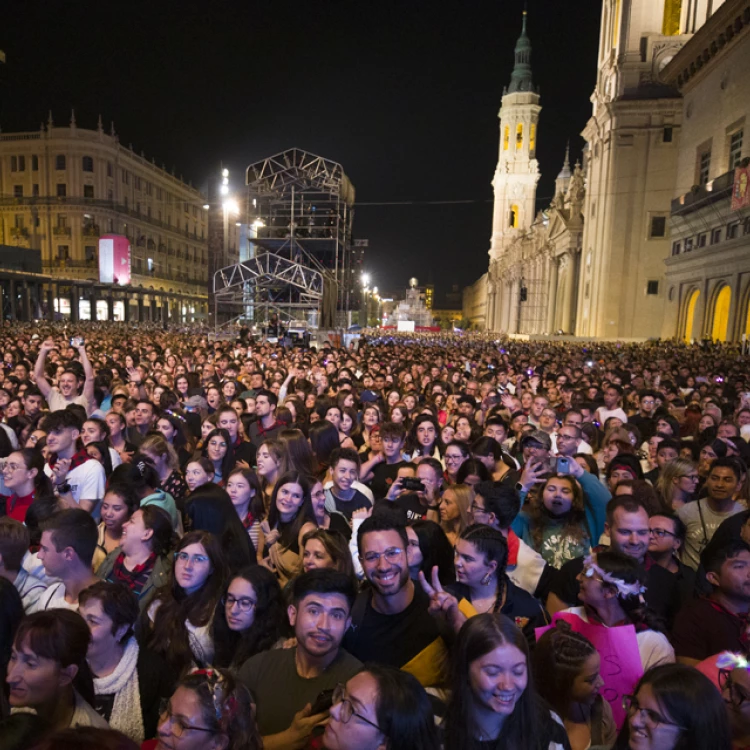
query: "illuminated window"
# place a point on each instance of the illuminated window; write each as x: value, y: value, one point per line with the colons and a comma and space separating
x: 532, y: 138
x: 513, y: 217
x: 671, y: 20
x: 506, y: 138
x: 519, y: 136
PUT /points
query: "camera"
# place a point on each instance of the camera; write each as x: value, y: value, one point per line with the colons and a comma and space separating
x: 77, y: 341
x: 413, y: 484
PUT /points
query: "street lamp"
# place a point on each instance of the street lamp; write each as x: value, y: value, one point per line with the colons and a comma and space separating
x: 365, y: 280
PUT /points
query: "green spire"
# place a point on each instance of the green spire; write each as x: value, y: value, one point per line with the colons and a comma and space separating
x: 520, y: 78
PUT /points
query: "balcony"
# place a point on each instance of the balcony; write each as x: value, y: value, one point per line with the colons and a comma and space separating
x: 718, y: 189
x: 19, y: 233
x: 61, y: 231
x: 92, y: 230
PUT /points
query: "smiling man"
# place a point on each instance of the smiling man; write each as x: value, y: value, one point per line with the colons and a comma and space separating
x: 286, y: 682
x: 390, y: 620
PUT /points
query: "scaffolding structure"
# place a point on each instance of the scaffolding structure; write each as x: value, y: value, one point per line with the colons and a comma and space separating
x: 300, y: 209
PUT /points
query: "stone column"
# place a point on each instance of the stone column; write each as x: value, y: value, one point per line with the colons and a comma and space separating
x: 51, y: 301
x: 126, y: 307
x: 110, y: 306
x: 25, y: 301
x: 141, y: 305
x: 153, y: 308
x: 12, y: 296
x: 552, y: 295
x: 93, y: 298
x: 513, y: 297
x: 74, y: 304
x: 165, y: 310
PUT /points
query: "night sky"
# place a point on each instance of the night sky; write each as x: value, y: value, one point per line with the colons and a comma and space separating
x: 404, y: 95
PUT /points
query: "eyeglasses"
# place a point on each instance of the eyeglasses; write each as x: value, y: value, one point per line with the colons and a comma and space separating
x: 661, y: 533
x: 474, y: 508
x: 179, y: 727
x: 652, y: 718
x: 391, y: 555
x: 245, y: 603
x: 736, y: 696
x: 691, y: 477
x: 347, y: 710
x: 183, y: 557
x: 13, y: 467
x: 453, y: 458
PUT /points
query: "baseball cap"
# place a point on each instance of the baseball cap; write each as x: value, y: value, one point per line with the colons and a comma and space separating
x: 537, y: 436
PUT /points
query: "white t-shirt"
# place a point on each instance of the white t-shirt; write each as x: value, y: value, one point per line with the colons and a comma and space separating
x: 86, y: 481
x: 604, y: 414
x: 53, y: 598
x: 653, y: 646
x: 57, y: 402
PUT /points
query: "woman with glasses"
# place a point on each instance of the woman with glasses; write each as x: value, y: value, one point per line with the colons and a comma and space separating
x: 674, y: 707
x: 179, y: 619
x: 734, y: 683
x: 249, y: 617
x: 455, y: 454
x: 210, y: 710
x: 493, y: 702
x: 381, y: 708
x: 677, y: 483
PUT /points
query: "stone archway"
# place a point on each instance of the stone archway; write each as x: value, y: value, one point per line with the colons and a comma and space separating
x: 720, y: 317
x: 692, y: 303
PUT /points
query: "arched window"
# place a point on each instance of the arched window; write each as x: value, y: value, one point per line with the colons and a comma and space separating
x: 513, y: 217
x: 88, y: 164
x: 506, y: 137
x: 519, y: 136
x: 532, y: 138
x: 721, y: 314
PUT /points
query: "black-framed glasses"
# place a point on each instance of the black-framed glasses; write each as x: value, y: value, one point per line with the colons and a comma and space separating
x: 651, y: 717
x: 660, y: 533
x: 245, y: 603
x: 474, y: 508
x: 347, y: 709
x: 736, y: 696
x: 178, y: 725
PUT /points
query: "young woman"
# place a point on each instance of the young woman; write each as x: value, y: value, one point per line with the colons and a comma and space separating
x: 243, y: 488
x: 218, y: 450
x: 198, y: 472
x: 674, y: 707
x: 290, y: 517
x: 494, y: 703
x: 565, y: 514
x: 210, y: 710
x: 249, y: 618
x: 324, y: 439
x: 118, y: 505
x: 32, y: 498
x: 179, y: 618
x: 271, y: 463
x: 381, y: 708
x: 334, y: 415
x: 677, y: 483
x: 424, y: 439
x: 173, y: 425
x: 455, y: 513
x: 456, y: 453
x: 567, y: 673
x: 164, y: 458
x: 429, y: 548
x: 326, y: 549
x: 400, y: 414
x: 182, y: 386
x: 299, y: 454
x: 48, y: 672
x: 370, y: 417
x: 612, y: 594
x: 490, y: 453
x: 325, y: 519
x: 117, y: 431
x: 472, y: 472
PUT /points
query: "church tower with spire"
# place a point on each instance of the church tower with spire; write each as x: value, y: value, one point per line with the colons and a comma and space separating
x: 517, y: 172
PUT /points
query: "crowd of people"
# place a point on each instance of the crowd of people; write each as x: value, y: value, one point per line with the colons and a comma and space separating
x: 414, y: 542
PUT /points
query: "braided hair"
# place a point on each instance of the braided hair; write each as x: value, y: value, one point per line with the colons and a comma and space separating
x: 558, y: 658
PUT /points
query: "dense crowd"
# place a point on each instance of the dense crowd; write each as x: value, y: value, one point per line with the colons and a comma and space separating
x: 416, y: 542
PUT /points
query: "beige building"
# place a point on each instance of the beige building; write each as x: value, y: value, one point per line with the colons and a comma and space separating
x: 61, y: 188
x: 708, y: 270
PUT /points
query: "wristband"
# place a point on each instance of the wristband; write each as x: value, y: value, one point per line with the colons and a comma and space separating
x: 63, y: 488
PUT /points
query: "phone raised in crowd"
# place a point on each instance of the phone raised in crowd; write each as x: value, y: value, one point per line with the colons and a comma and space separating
x: 77, y: 341
x: 323, y: 702
x: 563, y: 465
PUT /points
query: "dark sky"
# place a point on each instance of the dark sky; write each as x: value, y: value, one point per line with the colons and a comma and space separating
x: 403, y: 94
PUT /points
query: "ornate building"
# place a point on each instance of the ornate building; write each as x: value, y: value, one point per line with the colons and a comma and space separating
x: 531, y: 287
x: 63, y: 187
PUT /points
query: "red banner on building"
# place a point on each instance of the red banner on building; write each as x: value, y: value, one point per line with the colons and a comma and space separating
x: 741, y: 188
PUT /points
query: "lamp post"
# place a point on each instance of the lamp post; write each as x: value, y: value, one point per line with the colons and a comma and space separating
x: 365, y: 299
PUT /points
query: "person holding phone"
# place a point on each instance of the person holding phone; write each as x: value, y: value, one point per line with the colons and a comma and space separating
x: 566, y: 512
x: 72, y: 387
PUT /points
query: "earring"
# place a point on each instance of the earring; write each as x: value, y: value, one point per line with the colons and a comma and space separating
x: 486, y: 580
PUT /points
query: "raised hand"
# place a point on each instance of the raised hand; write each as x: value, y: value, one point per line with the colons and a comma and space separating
x: 442, y: 604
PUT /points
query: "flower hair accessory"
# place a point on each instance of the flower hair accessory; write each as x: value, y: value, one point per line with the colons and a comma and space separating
x: 225, y: 707
x: 176, y: 416
x: 624, y: 589
x: 729, y: 660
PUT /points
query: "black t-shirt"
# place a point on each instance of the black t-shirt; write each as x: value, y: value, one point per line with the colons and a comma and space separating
x: 410, y: 503
x: 664, y: 595
x: 646, y: 425
x: 383, y: 476
x: 347, y: 507
x: 702, y: 629
x: 390, y: 639
x: 246, y: 451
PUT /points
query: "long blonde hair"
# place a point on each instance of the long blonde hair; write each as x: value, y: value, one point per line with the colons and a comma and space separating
x: 464, y: 494
x: 158, y: 444
x: 678, y: 467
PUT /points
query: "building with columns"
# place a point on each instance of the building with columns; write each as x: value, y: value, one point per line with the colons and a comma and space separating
x: 707, y: 278
x: 532, y: 283
x: 61, y: 188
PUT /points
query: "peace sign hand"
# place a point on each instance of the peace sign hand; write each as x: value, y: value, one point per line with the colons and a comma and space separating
x: 442, y: 604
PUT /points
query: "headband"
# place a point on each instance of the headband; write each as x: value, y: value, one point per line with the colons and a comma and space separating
x: 625, y: 589
x: 729, y: 660
x: 224, y: 710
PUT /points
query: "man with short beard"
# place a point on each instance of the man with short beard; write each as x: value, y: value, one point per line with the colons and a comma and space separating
x: 391, y: 623
x: 286, y: 682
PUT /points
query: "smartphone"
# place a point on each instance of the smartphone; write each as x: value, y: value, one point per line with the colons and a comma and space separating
x: 77, y: 341
x: 412, y: 484
x: 322, y: 703
x: 563, y: 464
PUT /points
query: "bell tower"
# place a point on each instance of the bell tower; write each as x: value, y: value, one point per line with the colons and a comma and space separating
x: 517, y: 172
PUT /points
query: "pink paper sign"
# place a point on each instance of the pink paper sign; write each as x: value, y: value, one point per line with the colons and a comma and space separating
x: 620, y: 659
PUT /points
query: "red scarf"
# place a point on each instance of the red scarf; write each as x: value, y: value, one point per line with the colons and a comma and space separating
x: 514, y: 544
x: 78, y: 458
x: 18, y: 506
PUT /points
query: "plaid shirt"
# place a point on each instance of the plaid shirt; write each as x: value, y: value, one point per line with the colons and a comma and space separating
x: 134, y: 579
